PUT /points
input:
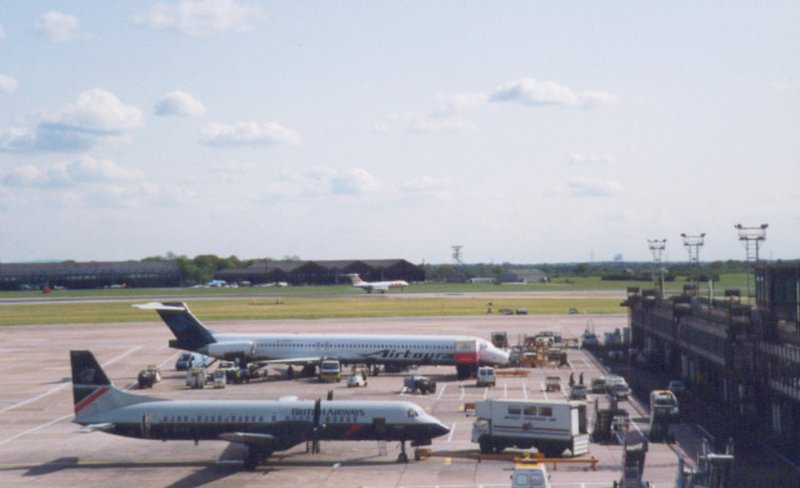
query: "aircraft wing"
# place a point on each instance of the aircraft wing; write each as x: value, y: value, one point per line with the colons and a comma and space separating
x: 249, y: 438
x: 104, y: 427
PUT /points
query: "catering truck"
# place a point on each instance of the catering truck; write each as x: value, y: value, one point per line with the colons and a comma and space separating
x: 551, y: 426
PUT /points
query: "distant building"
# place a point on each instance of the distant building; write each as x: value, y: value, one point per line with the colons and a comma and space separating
x: 92, y: 274
x: 323, y: 272
x: 532, y: 275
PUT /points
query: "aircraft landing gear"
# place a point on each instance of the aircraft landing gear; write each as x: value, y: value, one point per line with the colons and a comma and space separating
x: 402, y: 457
x: 254, y: 457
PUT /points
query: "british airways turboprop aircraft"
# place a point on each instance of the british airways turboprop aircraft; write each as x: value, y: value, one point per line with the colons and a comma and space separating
x: 464, y: 352
x: 263, y: 426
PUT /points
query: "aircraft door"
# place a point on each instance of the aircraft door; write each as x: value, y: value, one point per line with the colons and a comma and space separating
x: 379, y: 426
x: 146, y: 425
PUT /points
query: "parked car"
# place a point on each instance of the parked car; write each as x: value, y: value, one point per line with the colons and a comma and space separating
x: 530, y: 476
x: 599, y: 385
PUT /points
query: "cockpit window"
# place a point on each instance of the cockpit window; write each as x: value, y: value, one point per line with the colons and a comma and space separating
x: 412, y: 413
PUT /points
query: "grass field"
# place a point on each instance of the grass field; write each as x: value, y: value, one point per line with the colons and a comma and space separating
x: 295, y: 308
x: 562, y: 284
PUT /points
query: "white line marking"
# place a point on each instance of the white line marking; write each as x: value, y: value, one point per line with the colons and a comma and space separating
x: 66, y: 383
x: 505, y: 390
x: 441, y: 392
x: 34, y: 429
x: 162, y: 363
x: 544, y: 391
x: 452, y: 430
x: 524, y: 391
x: 485, y: 393
x: 461, y: 396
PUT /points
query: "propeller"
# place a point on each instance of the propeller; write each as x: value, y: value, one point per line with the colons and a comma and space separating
x: 316, y: 427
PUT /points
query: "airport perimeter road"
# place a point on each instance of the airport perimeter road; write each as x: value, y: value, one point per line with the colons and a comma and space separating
x: 39, y: 446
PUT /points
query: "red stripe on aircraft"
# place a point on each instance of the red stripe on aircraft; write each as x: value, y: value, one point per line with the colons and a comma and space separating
x: 352, y: 430
x: 89, y: 399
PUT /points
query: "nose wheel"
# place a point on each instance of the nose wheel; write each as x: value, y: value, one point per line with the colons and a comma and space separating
x: 402, y: 457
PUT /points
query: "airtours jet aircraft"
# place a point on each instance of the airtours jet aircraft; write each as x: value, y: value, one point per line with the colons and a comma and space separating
x: 466, y: 353
x: 264, y: 426
x: 381, y: 286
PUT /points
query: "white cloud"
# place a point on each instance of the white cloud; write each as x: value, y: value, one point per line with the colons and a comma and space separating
x: 248, y: 133
x: 179, y: 103
x: 535, y: 93
x: 426, y: 186
x: 448, y: 116
x: 589, y: 187
x: 82, y: 170
x: 60, y: 27
x: 322, y: 182
x: 96, y: 114
x: 8, y: 84
x: 577, y: 158
x: 201, y: 17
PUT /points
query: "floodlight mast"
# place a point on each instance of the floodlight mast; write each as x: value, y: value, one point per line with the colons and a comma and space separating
x: 657, y: 247
x: 751, y: 237
x: 693, y: 244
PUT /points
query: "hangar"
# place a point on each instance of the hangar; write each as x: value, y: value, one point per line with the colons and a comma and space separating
x: 92, y: 274
x: 323, y: 272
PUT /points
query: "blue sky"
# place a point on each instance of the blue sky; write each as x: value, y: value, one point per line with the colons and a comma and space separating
x: 524, y: 131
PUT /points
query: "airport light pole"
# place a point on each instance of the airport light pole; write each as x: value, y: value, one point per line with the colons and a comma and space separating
x: 657, y: 247
x: 693, y: 244
x: 751, y: 237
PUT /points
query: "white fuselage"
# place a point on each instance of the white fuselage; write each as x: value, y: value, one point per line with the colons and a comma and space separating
x: 377, y: 349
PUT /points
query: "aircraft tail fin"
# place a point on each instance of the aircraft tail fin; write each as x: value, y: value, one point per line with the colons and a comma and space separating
x: 92, y: 392
x: 190, y: 333
x: 356, y: 279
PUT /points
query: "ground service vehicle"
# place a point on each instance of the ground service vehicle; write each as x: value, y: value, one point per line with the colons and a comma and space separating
x: 219, y: 379
x: 530, y: 475
x: 422, y: 384
x: 356, y: 379
x: 330, y: 371
x: 577, y: 392
x: 551, y: 426
x: 196, y: 378
x: 552, y: 383
x: 149, y: 376
x: 486, y: 376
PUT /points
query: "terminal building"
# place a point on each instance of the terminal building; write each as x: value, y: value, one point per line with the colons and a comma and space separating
x: 743, y: 359
x: 323, y: 272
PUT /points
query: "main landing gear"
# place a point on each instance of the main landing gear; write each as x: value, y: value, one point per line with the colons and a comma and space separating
x: 255, y: 456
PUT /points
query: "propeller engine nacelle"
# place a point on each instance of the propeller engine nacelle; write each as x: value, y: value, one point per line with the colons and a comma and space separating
x: 231, y: 350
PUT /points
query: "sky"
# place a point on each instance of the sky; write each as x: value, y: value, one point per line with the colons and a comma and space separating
x: 526, y: 132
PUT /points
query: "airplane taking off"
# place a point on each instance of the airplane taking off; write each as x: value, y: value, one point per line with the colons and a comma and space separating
x: 464, y: 352
x: 381, y: 286
x: 263, y: 426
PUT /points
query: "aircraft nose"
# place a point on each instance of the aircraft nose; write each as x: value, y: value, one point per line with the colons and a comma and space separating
x: 438, y: 429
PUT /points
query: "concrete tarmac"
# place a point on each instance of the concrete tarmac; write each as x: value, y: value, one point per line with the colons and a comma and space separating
x: 39, y: 446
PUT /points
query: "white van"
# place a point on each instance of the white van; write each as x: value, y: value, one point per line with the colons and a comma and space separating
x: 486, y: 376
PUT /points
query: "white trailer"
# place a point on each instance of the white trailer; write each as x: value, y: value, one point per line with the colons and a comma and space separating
x: 551, y: 426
